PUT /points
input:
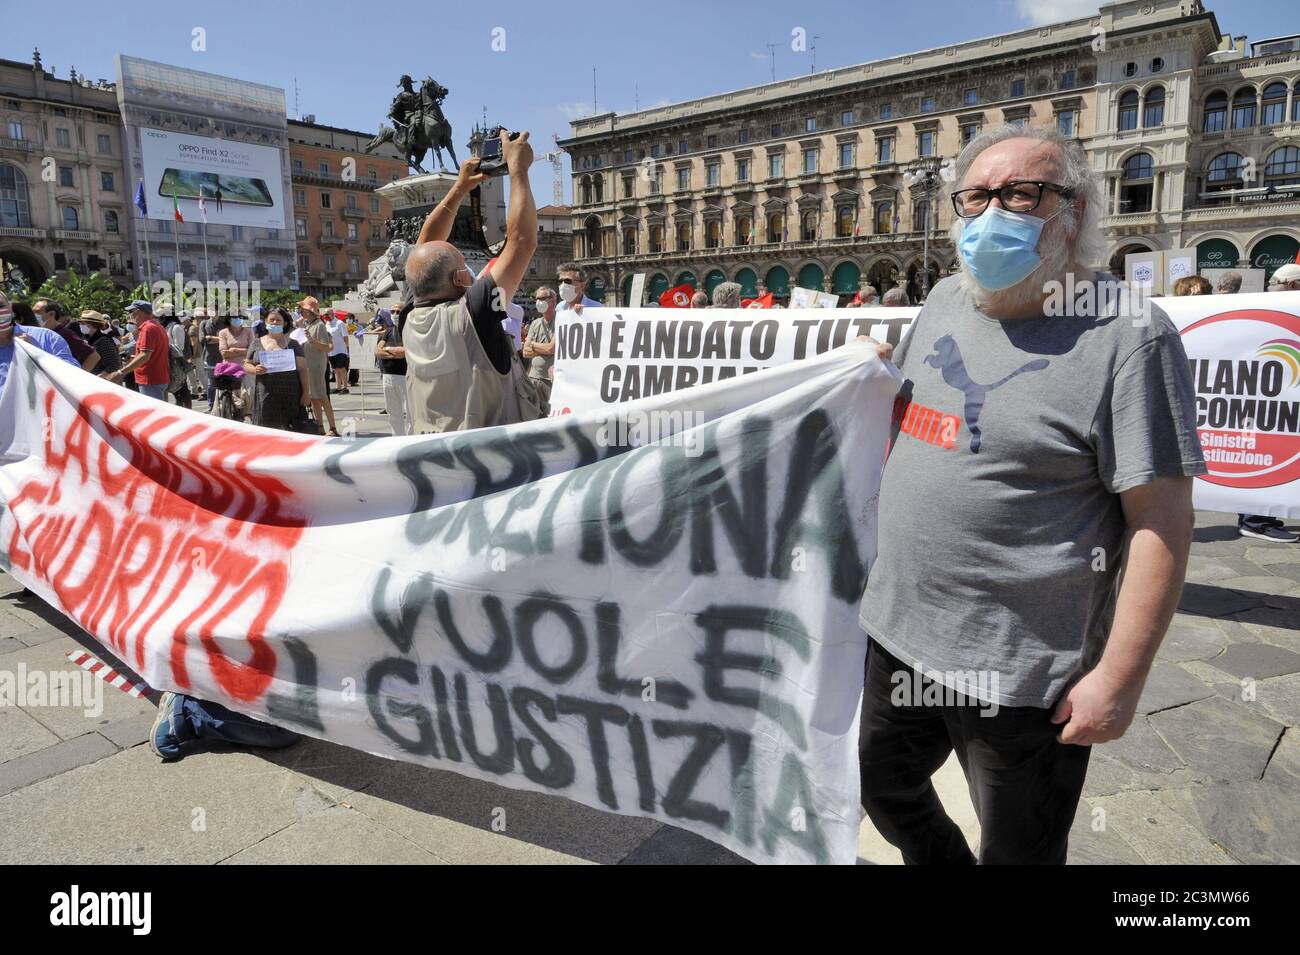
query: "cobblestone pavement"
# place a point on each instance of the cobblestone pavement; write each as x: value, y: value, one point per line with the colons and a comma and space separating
x: 1207, y: 774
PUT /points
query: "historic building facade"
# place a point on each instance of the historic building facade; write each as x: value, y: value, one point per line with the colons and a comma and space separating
x: 65, y: 198
x: 813, y: 181
x: 1200, y: 144
x: 339, y: 218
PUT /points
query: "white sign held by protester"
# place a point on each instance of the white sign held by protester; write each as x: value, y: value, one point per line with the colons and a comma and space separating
x: 610, y: 355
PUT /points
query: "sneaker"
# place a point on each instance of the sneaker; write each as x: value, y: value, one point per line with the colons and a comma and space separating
x: 1269, y: 532
x: 164, y: 738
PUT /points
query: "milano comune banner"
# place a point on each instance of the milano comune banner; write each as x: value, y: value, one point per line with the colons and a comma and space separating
x: 605, y: 356
x: 1244, y: 352
x: 649, y: 609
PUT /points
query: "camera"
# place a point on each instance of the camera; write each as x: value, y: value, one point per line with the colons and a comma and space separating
x: 492, y: 162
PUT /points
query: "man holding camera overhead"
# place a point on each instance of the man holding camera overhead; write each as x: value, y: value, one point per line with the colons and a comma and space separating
x: 461, y: 368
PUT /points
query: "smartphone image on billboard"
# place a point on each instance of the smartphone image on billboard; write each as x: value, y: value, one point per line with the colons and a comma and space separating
x: 190, y: 184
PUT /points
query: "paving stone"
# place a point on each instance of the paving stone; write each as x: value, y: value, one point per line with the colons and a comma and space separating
x: 103, y: 704
x: 1169, y: 685
x: 12, y: 624
x: 129, y: 732
x: 1241, y: 567
x: 1142, y: 749
x: 1216, y: 601
x: 1208, y: 570
x: 1191, y: 638
x: 1237, y: 632
x: 1225, y: 741
x: 39, y: 635
x: 1108, y: 776
x: 1088, y: 846
x: 1272, y: 618
x: 1158, y: 834
x: 21, y: 733
x: 1280, y: 698
x: 1289, y: 570
x: 334, y: 836
x: 10, y: 644
x: 202, y: 809
x: 52, y: 760
x: 1267, y: 585
x: 452, y: 817
x: 1284, y: 767
x: 8, y: 585
x: 1258, y: 552
x: 673, y: 846
x: 1257, y: 660
x: 1254, y: 822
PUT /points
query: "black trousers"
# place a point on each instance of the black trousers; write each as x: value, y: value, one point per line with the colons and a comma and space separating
x: 1025, y: 785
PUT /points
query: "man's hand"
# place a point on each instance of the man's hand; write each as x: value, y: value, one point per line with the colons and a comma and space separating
x: 883, y: 349
x: 576, y: 308
x: 528, y: 349
x: 469, y: 176
x: 518, y: 153
x: 1097, y: 709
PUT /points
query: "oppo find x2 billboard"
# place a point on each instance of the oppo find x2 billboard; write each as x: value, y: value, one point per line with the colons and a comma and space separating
x: 240, y: 183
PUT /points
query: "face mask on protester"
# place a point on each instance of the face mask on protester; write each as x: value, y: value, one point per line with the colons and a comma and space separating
x: 275, y: 328
x: 541, y: 306
x: 86, y: 329
x: 568, y: 292
x: 1000, y: 248
x: 236, y: 323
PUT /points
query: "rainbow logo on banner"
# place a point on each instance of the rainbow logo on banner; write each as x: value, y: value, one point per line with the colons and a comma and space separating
x: 1285, y: 350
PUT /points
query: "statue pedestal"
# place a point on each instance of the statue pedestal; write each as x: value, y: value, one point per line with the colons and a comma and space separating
x: 414, y: 198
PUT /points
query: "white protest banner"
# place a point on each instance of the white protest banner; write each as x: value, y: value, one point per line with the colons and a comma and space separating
x: 610, y: 355
x: 1245, y: 357
x: 651, y: 609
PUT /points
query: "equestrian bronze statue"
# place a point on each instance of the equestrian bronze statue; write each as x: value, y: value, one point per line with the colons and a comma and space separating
x: 418, y: 124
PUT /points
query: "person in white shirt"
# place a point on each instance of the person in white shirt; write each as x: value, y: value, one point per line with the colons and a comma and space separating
x: 573, y: 286
x: 338, y: 355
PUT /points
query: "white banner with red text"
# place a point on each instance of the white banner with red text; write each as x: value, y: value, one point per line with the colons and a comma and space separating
x: 649, y: 609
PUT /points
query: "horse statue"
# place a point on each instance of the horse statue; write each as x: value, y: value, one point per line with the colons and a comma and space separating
x: 418, y: 124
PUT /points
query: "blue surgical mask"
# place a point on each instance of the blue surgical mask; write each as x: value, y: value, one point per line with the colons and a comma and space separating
x: 237, y: 323
x: 274, y: 329
x: 1000, y: 248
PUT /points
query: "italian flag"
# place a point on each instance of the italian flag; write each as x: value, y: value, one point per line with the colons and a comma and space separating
x: 176, y: 210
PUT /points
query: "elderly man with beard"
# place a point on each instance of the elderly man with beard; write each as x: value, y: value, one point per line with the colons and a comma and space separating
x: 1035, y: 517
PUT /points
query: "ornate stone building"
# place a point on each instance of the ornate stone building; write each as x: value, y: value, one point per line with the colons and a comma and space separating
x: 65, y: 198
x: 806, y: 181
x: 339, y: 217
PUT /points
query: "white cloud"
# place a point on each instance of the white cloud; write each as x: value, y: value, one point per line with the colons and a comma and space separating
x: 1039, y: 12
x: 575, y: 110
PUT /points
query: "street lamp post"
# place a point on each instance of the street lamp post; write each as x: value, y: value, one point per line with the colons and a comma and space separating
x: 924, y: 179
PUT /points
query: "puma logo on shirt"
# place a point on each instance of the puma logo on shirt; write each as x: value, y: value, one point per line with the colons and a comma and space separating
x: 947, y: 358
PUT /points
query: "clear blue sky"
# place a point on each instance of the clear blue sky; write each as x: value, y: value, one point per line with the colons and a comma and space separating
x: 346, y: 61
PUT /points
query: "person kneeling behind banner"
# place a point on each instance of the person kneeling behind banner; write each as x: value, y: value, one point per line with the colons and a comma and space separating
x: 462, y: 371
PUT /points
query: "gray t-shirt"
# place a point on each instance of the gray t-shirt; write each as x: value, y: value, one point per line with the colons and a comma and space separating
x: 1003, y: 482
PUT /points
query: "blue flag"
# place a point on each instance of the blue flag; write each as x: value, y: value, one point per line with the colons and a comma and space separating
x: 139, y: 199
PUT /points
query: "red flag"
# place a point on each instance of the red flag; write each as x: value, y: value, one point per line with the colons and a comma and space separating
x: 765, y: 301
x: 176, y: 210
x: 677, y: 297
x: 1297, y: 258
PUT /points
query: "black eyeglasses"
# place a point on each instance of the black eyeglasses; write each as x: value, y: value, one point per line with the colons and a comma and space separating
x: 1021, y: 195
